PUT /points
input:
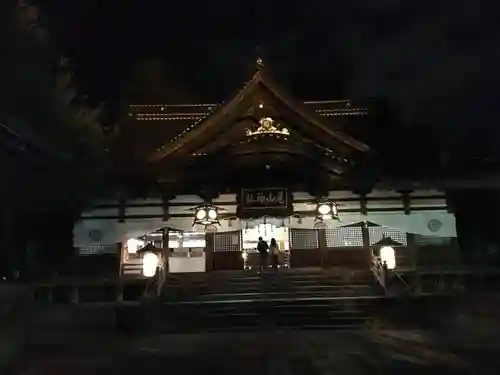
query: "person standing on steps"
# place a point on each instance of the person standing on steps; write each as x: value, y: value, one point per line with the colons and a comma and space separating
x: 262, y: 248
x: 274, y: 250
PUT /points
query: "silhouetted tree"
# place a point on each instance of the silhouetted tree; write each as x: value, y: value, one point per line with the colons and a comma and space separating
x: 156, y: 81
x: 52, y: 145
x: 39, y: 104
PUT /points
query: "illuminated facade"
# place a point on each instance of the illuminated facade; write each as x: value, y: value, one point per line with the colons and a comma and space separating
x: 262, y: 165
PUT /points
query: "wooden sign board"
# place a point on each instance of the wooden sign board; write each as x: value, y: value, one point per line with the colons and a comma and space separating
x: 264, y: 199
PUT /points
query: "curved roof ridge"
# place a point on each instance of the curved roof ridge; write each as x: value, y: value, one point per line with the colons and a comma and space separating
x: 259, y: 77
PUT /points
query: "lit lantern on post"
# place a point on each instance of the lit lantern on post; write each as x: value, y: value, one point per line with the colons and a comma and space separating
x: 150, y: 260
x: 387, y: 253
x: 244, y: 255
x: 206, y: 214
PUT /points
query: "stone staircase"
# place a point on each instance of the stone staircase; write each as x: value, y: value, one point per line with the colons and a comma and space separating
x: 249, y: 287
x: 223, y: 301
x: 132, y: 267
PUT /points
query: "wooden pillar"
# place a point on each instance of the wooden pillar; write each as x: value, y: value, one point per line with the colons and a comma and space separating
x: 120, y: 253
x: 412, y: 250
x: 166, y: 248
x: 165, y: 208
x: 413, y: 261
x: 406, y: 202
x: 323, y: 247
x: 122, y: 210
x: 363, y: 204
x: 365, y: 233
x: 209, y: 251
x: 457, y: 255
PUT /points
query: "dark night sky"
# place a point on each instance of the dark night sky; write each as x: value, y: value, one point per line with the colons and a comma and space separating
x: 436, y: 62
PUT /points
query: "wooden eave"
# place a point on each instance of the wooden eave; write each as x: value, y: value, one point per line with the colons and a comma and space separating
x: 214, y: 124
x: 233, y: 148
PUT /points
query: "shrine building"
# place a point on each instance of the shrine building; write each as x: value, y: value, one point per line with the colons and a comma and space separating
x: 262, y: 164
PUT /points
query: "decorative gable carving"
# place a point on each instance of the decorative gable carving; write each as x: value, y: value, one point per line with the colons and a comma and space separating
x: 267, y: 127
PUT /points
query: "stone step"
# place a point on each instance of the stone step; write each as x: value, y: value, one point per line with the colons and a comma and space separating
x: 262, y: 292
x: 314, y: 307
x: 292, y: 273
x: 267, y: 288
x: 270, y: 295
x: 235, y: 322
x: 335, y: 327
x: 250, y: 279
x: 281, y: 316
x: 245, y: 287
x: 274, y: 283
x: 279, y: 305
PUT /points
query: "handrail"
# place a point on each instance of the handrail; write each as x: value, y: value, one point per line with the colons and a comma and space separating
x: 379, y: 271
x: 161, y: 278
x: 398, y: 275
x: 156, y: 281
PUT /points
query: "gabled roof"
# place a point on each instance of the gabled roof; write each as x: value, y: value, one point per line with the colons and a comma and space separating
x: 151, y: 125
x: 217, y: 117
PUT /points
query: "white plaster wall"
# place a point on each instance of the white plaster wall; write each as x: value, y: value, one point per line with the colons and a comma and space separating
x: 112, y: 231
x: 187, y: 264
x: 417, y: 222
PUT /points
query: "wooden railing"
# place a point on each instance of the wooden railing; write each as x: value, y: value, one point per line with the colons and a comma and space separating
x: 384, y: 275
x: 420, y: 257
x: 380, y: 271
x: 347, y: 257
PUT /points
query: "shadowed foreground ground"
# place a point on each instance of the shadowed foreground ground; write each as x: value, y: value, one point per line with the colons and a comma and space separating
x: 55, y: 340
x: 274, y: 352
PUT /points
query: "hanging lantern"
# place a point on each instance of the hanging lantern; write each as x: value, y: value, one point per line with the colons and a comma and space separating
x: 326, y: 210
x: 206, y: 214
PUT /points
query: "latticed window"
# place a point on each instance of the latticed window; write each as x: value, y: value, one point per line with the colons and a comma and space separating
x: 344, y: 237
x: 229, y: 241
x: 303, y: 239
x: 377, y: 233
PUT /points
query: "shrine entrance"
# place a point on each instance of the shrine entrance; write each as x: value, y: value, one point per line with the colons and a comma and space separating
x: 267, y: 231
x: 237, y: 250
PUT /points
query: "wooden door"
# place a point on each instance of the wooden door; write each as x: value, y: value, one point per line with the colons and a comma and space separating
x: 304, y: 248
x: 227, y: 251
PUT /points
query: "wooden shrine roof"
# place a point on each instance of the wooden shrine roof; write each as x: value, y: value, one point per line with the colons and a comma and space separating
x: 158, y: 130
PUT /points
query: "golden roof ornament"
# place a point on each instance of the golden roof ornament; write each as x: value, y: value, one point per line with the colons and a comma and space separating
x: 260, y: 63
x: 267, y: 127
